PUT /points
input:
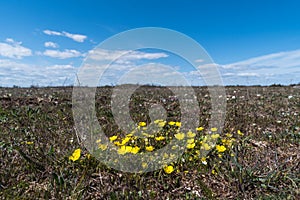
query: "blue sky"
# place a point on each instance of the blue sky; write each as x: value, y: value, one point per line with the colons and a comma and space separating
x: 253, y: 42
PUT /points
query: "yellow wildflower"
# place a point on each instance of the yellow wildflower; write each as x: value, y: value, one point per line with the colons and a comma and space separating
x: 190, y: 145
x: 128, y: 149
x: 169, y: 169
x: 190, y: 134
x: 145, y: 134
x: 206, y: 146
x: 189, y: 141
x: 135, y: 150
x: 213, y: 172
x: 220, y: 148
x: 240, y: 133
x: 113, y: 138
x: 118, y: 143
x: 125, y: 140
x: 215, y: 136
x: 122, y: 150
x: 161, y: 123
x: 179, y: 136
x: 149, y: 148
x: 76, y: 155
x: 228, y: 135
x: 159, y: 138
x: 199, y: 128
x: 178, y: 124
x: 142, y: 124
x: 213, y: 129
x: 228, y: 142
x: 29, y: 143
x: 203, y: 160
x: 171, y: 123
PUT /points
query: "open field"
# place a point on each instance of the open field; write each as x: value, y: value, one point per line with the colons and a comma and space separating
x: 258, y: 155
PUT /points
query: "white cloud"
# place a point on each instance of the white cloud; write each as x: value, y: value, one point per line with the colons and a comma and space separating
x: 266, y: 69
x: 101, y: 54
x: 59, y: 67
x: 75, y: 37
x: 12, y: 41
x: 9, y: 40
x: 246, y: 74
x: 68, y: 53
x: 280, y: 59
x: 280, y: 68
x: 123, y: 56
x: 48, y: 32
x: 13, y: 49
x: 262, y: 66
x: 150, y: 73
x: 228, y: 74
x: 24, y: 74
x: 11, y: 65
x: 51, y: 44
x: 199, y: 60
x: 153, y: 73
x: 137, y: 55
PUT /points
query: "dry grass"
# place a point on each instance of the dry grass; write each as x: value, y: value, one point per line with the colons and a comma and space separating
x: 37, y: 138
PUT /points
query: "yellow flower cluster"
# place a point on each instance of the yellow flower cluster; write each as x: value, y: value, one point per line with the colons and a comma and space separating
x: 194, y: 140
x: 128, y: 149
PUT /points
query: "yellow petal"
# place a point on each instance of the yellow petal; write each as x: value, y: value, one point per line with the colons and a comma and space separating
x: 76, y: 155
